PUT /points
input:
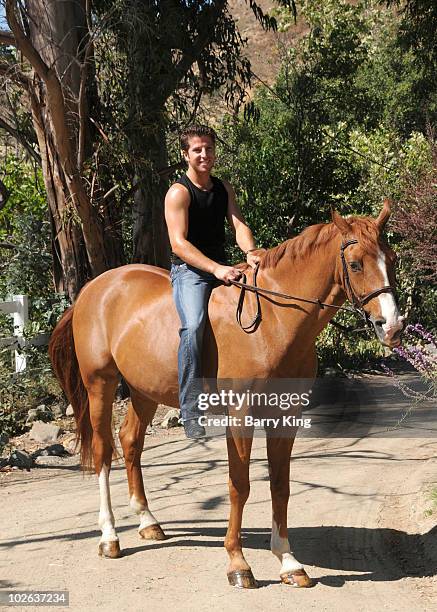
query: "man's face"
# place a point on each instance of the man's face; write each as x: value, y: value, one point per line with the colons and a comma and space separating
x: 201, y: 153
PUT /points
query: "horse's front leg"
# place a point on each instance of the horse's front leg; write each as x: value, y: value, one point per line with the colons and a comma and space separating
x: 239, y: 448
x: 279, y: 451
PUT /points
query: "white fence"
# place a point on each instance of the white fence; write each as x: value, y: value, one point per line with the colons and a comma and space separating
x: 18, y: 307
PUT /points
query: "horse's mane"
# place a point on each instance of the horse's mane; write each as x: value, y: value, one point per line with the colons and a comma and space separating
x: 316, y: 236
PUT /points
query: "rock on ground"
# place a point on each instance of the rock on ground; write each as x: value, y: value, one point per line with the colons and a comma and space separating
x: 41, y: 412
x: 54, y: 450
x: 20, y: 459
x: 44, y: 432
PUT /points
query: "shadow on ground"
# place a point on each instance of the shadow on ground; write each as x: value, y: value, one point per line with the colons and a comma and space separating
x: 380, y: 554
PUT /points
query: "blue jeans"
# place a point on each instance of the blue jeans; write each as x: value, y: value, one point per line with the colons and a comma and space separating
x: 191, y: 291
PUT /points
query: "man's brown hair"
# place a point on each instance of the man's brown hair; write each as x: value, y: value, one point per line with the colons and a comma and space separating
x: 196, y: 130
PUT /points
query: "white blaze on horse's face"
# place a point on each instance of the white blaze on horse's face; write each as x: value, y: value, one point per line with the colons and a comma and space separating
x: 389, y: 310
x: 382, y: 309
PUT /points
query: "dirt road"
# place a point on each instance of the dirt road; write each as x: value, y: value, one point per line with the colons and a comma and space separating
x: 356, y: 521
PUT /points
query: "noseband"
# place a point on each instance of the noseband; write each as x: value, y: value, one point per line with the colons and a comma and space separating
x: 357, y: 302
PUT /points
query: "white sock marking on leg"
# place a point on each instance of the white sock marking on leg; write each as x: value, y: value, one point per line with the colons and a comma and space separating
x: 106, y: 516
x: 281, y: 549
x: 146, y: 517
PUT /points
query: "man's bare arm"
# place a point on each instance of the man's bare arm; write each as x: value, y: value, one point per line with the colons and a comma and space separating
x: 177, y: 202
x: 243, y: 234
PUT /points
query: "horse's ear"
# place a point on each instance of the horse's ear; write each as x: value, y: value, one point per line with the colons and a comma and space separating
x: 384, y: 215
x: 290, y: 229
x: 342, y: 224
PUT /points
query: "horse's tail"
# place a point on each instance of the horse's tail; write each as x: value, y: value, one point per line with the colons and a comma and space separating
x: 62, y: 354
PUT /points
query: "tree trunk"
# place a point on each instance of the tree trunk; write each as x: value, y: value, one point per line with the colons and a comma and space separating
x: 55, y: 41
x: 70, y: 263
x: 150, y: 237
x: 146, y: 131
x: 113, y: 226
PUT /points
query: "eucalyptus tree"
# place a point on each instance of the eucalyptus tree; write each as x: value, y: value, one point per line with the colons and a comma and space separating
x: 104, y: 83
x: 52, y: 59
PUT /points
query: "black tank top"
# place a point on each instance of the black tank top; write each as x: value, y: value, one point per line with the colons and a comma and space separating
x: 206, y: 219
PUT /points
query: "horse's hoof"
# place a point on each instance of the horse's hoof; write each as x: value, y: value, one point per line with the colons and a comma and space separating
x: 298, y: 578
x: 242, y: 579
x: 152, y: 532
x: 110, y: 550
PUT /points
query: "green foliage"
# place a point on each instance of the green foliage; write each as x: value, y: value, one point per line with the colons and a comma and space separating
x: 292, y: 161
x: 26, y: 254
x: 24, y: 227
x: 346, y: 351
x: 22, y: 391
x: 336, y: 128
x: 26, y: 269
x: 344, y: 122
x: 417, y: 29
x: 27, y: 193
x: 154, y: 62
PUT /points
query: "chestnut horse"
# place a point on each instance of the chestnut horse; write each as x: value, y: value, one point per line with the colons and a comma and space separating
x: 124, y: 323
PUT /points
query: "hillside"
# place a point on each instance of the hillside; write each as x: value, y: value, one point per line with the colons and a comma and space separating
x: 263, y: 48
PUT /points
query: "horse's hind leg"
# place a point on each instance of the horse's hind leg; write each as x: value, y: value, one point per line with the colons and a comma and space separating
x: 278, y: 453
x: 139, y: 414
x: 101, y: 391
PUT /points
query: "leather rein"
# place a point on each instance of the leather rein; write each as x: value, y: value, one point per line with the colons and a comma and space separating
x: 357, y: 303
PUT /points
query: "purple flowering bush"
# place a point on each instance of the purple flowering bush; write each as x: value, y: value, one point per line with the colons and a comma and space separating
x: 420, y: 349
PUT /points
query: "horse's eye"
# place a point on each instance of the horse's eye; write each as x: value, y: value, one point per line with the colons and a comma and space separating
x: 355, y: 266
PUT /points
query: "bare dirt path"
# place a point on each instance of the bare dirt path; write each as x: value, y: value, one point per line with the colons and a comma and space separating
x: 356, y: 521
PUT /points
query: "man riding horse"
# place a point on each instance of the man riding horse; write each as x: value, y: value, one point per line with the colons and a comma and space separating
x: 195, y: 210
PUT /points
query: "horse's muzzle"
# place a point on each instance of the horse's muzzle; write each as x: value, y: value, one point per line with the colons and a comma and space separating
x: 390, y: 336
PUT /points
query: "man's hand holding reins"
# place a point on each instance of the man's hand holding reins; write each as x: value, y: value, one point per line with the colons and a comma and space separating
x: 227, y: 273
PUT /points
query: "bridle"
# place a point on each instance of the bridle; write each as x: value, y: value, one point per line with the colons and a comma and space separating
x: 357, y: 302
